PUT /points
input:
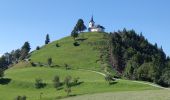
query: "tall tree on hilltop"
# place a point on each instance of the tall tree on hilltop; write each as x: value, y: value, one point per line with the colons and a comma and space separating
x: 25, y: 50
x: 80, y: 25
x: 47, y: 39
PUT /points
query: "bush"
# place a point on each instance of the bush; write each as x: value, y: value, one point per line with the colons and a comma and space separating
x: 56, y: 82
x: 67, y: 66
x: 109, y: 79
x: 57, y: 45
x: 67, y: 81
x: 49, y: 60
x: 76, y: 44
x: 68, y: 90
x: 1, y: 73
x: 21, y: 98
x: 37, y: 48
x: 39, y: 83
x: 76, y: 80
x: 33, y: 64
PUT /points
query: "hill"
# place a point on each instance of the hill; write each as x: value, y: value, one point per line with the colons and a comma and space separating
x: 122, y: 54
x: 82, y: 56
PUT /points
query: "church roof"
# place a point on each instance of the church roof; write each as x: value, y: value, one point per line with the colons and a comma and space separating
x: 92, y: 19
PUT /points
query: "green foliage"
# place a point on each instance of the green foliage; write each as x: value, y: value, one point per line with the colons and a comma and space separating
x: 67, y: 81
x: 56, y: 82
x: 74, y: 33
x: 49, y: 60
x: 57, y: 45
x: 68, y: 90
x: 37, y: 48
x: 39, y: 83
x: 80, y: 25
x: 21, y: 98
x: 1, y: 73
x: 109, y: 78
x: 47, y: 40
x: 25, y: 50
x: 137, y: 58
x: 76, y: 43
x: 76, y: 80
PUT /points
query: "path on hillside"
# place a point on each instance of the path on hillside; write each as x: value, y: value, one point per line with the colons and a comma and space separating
x: 152, y: 84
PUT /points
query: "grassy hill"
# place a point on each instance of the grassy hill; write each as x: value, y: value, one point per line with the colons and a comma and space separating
x: 22, y: 82
x: 82, y: 56
x: 20, y: 79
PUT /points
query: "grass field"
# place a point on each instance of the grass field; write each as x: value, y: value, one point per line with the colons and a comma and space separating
x: 82, y: 56
x: 130, y: 95
x: 22, y: 83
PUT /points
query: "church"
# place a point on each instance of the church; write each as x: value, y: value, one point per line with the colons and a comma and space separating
x: 95, y: 28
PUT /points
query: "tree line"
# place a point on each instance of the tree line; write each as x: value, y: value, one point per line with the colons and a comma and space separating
x: 135, y: 58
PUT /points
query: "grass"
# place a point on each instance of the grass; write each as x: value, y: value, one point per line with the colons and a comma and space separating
x: 130, y: 95
x: 83, y: 56
x: 23, y: 79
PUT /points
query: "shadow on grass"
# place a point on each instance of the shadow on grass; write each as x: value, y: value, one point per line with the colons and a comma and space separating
x: 4, y: 81
x: 76, y: 84
x: 112, y: 83
x: 81, y: 39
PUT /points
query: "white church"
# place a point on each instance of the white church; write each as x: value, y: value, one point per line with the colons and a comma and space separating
x: 95, y: 28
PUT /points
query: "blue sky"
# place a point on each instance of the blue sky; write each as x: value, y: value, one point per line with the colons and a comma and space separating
x: 31, y: 20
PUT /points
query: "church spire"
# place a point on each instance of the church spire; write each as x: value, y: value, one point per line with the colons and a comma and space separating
x: 92, y: 19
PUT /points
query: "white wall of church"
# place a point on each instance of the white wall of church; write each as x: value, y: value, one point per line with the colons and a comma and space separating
x: 97, y: 30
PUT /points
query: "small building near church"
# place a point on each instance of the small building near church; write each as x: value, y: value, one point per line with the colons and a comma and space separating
x: 95, y: 28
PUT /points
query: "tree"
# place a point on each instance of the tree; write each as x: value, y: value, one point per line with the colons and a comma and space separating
x: 80, y: 25
x: 25, y: 49
x: 37, y: 48
x: 47, y: 39
x: 56, y: 82
x: 1, y: 73
x: 109, y: 78
x: 68, y: 90
x: 67, y: 81
x: 74, y: 34
x: 49, y: 60
x: 39, y: 83
x: 21, y: 98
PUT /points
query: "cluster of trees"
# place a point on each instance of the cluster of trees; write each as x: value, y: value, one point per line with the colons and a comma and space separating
x: 14, y: 56
x: 68, y: 82
x: 79, y: 27
x: 135, y: 58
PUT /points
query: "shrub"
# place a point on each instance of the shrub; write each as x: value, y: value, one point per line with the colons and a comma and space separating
x: 76, y: 44
x: 109, y: 79
x: 67, y: 66
x: 37, y: 48
x: 39, y: 83
x: 1, y: 73
x: 76, y: 80
x: 33, y: 64
x: 68, y: 90
x: 57, y: 45
x: 21, y: 98
x: 49, y: 60
x: 56, y: 82
x: 67, y: 81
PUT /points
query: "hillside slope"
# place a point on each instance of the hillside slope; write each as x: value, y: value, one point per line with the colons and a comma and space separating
x: 82, y: 56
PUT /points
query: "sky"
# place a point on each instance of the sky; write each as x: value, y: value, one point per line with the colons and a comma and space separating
x: 31, y: 20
